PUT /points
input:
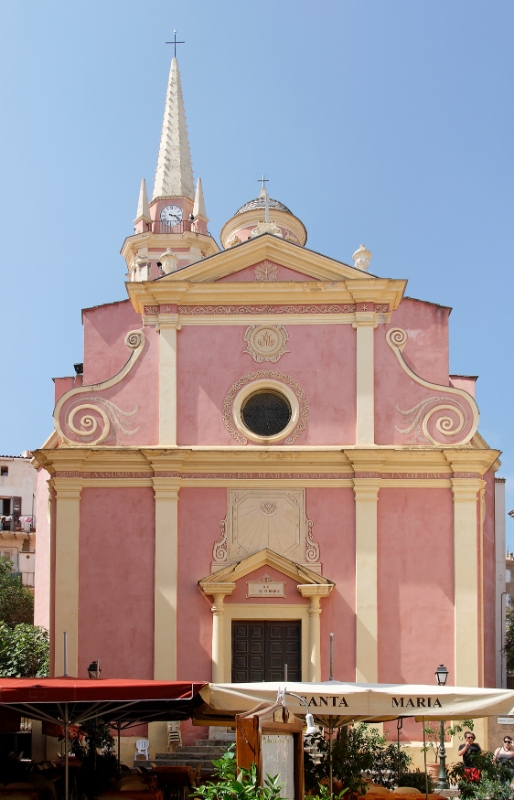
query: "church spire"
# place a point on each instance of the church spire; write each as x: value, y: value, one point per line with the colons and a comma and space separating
x: 199, y: 206
x: 143, y: 209
x: 174, y: 174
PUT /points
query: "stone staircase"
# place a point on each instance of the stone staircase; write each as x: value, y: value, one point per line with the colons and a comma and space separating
x: 202, y: 754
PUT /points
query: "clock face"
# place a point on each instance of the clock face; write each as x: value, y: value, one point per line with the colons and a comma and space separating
x: 171, y: 215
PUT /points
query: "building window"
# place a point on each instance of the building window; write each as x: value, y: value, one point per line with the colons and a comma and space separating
x: 4, y: 471
x: 266, y: 413
x: 507, y: 576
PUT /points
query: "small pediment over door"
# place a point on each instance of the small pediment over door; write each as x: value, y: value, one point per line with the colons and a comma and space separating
x: 308, y: 582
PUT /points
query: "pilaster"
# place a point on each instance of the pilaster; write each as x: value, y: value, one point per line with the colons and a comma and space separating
x: 314, y: 592
x: 467, y: 588
x: 166, y: 567
x: 365, y: 324
x: 218, y: 592
x: 366, y: 564
x: 168, y: 381
x: 66, y: 605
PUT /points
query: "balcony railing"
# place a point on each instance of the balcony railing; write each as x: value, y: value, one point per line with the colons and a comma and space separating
x: 185, y: 225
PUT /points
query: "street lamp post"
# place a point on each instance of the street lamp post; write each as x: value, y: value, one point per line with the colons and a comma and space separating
x: 441, y: 674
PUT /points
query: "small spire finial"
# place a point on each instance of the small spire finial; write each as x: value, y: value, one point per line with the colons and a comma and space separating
x: 264, y: 193
x: 175, y: 43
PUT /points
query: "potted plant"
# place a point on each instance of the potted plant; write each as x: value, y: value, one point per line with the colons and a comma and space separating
x: 433, y: 737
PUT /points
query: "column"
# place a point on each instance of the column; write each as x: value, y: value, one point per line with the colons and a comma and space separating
x: 218, y: 592
x: 168, y: 381
x: 66, y: 604
x: 365, y: 325
x: 366, y: 564
x: 166, y: 564
x: 314, y: 592
x: 466, y: 579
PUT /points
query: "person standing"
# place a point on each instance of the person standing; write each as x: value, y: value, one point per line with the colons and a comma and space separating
x: 505, y: 754
x: 469, y: 749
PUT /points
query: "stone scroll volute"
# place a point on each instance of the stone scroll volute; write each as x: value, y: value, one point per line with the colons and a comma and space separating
x: 434, y: 414
x: 93, y: 414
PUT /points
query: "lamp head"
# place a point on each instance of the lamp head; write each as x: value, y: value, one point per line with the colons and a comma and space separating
x: 441, y: 674
x: 312, y: 730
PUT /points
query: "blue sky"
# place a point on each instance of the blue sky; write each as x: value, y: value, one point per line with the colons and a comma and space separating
x: 383, y: 122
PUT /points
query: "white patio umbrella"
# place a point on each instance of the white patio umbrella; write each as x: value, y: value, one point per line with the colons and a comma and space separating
x: 334, y: 703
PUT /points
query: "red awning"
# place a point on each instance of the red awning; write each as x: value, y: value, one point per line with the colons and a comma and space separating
x: 72, y: 700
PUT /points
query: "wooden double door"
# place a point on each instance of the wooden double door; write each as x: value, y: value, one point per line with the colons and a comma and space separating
x: 261, y: 649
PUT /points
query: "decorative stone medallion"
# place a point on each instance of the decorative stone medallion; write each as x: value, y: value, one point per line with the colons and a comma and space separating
x: 266, y: 342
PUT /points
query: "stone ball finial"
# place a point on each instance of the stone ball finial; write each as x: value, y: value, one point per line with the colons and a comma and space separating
x: 168, y: 261
x: 362, y: 257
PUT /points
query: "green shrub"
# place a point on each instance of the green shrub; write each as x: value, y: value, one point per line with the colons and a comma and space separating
x: 234, y: 784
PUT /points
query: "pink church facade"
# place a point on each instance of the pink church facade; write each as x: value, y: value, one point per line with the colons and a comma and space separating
x: 265, y: 447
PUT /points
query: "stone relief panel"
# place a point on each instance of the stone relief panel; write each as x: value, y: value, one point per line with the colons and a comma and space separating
x: 266, y: 342
x: 266, y: 518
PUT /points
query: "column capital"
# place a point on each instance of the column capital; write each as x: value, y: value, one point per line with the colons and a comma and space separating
x: 315, y: 590
x: 217, y: 589
x: 365, y: 319
x: 465, y: 490
x: 366, y: 489
x: 67, y: 487
x: 169, y: 321
x: 166, y: 488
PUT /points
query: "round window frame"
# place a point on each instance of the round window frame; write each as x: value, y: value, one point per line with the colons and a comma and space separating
x: 255, y: 387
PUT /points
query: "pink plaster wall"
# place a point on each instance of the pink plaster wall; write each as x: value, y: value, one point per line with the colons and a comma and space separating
x: 291, y: 592
x: 105, y: 328
x: 212, y: 358
x: 199, y: 513
x: 248, y: 274
x: 62, y: 385
x: 428, y: 345
x: 466, y: 382
x: 489, y: 572
x: 415, y: 584
x: 116, y: 594
x: 43, y: 567
x: 333, y: 514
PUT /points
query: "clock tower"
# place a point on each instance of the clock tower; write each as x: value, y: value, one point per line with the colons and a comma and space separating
x: 170, y: 231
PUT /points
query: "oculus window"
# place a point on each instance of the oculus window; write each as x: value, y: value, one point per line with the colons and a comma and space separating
x: 266, y: 413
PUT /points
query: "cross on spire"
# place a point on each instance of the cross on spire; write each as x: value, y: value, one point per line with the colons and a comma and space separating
x: 262, y: 181
x: 175, y: 43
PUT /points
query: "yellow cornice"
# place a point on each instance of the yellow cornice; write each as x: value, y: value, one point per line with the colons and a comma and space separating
x: 210, y: 461
x: 152, y: 293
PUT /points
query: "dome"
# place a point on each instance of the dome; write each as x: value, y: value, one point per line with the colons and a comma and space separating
x: 260, y: 202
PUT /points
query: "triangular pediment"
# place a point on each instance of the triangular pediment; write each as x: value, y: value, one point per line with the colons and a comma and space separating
x: 267, y: 248
x: 264, y: 558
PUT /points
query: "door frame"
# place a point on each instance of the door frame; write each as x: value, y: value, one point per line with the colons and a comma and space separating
x: 245, y: 612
